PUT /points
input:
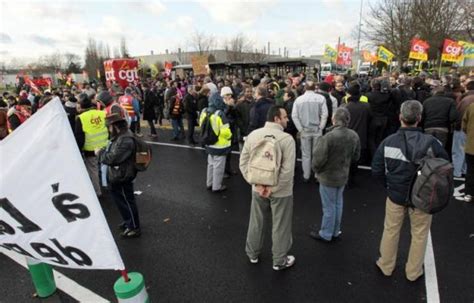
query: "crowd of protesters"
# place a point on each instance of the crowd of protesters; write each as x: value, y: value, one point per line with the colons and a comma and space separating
x: 373, y: 103
x: 356, y: 113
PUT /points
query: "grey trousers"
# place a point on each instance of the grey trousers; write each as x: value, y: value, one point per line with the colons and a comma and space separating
x: 308, y: 145
x: 215, y: 171
x: 92, y: 165
x: 281, y: 210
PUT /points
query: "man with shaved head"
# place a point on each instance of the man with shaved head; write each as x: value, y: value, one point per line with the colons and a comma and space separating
x: 309, y: 115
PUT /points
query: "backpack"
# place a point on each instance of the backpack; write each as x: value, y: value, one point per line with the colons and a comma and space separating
x: 432, y: 186
x: 208, y: 136
x: 143, y: 154
x: 263, y: 166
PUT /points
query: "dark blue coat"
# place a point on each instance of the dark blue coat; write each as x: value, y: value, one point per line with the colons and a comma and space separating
x: 394, y: 158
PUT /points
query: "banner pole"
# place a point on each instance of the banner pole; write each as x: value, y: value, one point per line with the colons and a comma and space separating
x: 439, y: 70
x: 125, y: 275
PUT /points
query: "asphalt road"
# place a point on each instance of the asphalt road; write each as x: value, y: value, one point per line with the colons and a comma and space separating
x: 192, y: 245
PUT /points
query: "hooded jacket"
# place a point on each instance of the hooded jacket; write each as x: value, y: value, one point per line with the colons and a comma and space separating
x: 220, y: 125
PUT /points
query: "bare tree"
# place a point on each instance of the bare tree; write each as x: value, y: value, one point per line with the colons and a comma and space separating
x: 95, y: 55
x: 437, y: 20
x: 202, y: 42
x: 393, y: 23
x: 390, y: 23
x: 72, y: 63
x: 237, y: 46
x: 123, y: 48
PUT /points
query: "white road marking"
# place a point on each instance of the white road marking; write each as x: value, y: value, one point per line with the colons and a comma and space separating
x: 431, y: 279
x: 68, y: 286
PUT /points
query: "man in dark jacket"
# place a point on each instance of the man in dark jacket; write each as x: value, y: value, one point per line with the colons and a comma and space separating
x: 360, y: 119
x: 332, y: 158
x: 439, y: 112
x: 191, y: 113
x: 289, y: 99
x: 380, y: 103
x: 339, y: 92
x: 120, y: 159
x: 149, y: 114
x: 259, y: 110
x: 243, y: 114
x: 393, y: 162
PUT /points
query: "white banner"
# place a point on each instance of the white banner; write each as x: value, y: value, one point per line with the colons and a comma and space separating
x: 48, y: 207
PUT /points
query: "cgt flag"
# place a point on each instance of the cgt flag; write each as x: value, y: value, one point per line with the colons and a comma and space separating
x: 344, y: 55
x: 53, y: 214
x: 419, y: 50
x: 330, y: 52
x: 468, y: 49
x: 384, y: 55
x: 452, y: 51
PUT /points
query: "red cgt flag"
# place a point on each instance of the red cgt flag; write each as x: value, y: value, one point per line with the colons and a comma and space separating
x: 344, y: 55
x: 419, y: 50
x: 452, y: 51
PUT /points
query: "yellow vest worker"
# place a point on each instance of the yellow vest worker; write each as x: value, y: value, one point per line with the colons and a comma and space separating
x: 363, y: 99
x: 93, y: 125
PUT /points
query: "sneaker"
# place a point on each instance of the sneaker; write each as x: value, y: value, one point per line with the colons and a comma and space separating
x: 223, y: 188
x: 131, y: 233
x: 468, y: 198
x: 316, y: 236
x: 254, y: 261
x: 289, y: 262
x: 122, y: 226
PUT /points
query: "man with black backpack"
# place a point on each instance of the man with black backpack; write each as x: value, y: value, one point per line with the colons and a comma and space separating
x: 395, y: 161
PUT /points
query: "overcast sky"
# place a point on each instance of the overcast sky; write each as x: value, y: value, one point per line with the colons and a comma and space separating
x: 30, y: 29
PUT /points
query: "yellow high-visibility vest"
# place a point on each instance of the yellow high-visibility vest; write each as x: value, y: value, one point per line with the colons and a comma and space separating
x: 93, y: 125
x: 363, y: 99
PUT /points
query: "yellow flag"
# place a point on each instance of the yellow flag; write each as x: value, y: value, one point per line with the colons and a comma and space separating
x: 385, y: 55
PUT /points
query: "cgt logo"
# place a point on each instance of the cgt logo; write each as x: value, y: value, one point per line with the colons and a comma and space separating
x: 130, y: 75
x: 344, y: 55
x: 96, y: 121
x: 418, y: 48
x: 453, y: 50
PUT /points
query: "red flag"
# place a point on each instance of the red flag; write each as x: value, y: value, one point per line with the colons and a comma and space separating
x: 419, y: 50
x: 344, y: 55
x: 452, y: 51
x: 31, y: 84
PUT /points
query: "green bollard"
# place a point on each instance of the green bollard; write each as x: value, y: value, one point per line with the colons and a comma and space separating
x: 133, y: 291
x: 42, y: 276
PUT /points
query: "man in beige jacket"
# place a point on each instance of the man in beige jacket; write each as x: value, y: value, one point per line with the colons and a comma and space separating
x: 278, y: 199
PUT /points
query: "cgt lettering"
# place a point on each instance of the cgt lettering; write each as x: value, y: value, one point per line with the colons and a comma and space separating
x: 130, y: 75
x: 453, y: 50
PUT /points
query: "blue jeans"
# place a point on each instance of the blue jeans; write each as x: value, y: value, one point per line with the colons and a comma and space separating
x: 459, y: 162
x: 178, y: 127
x: 332, y: 201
